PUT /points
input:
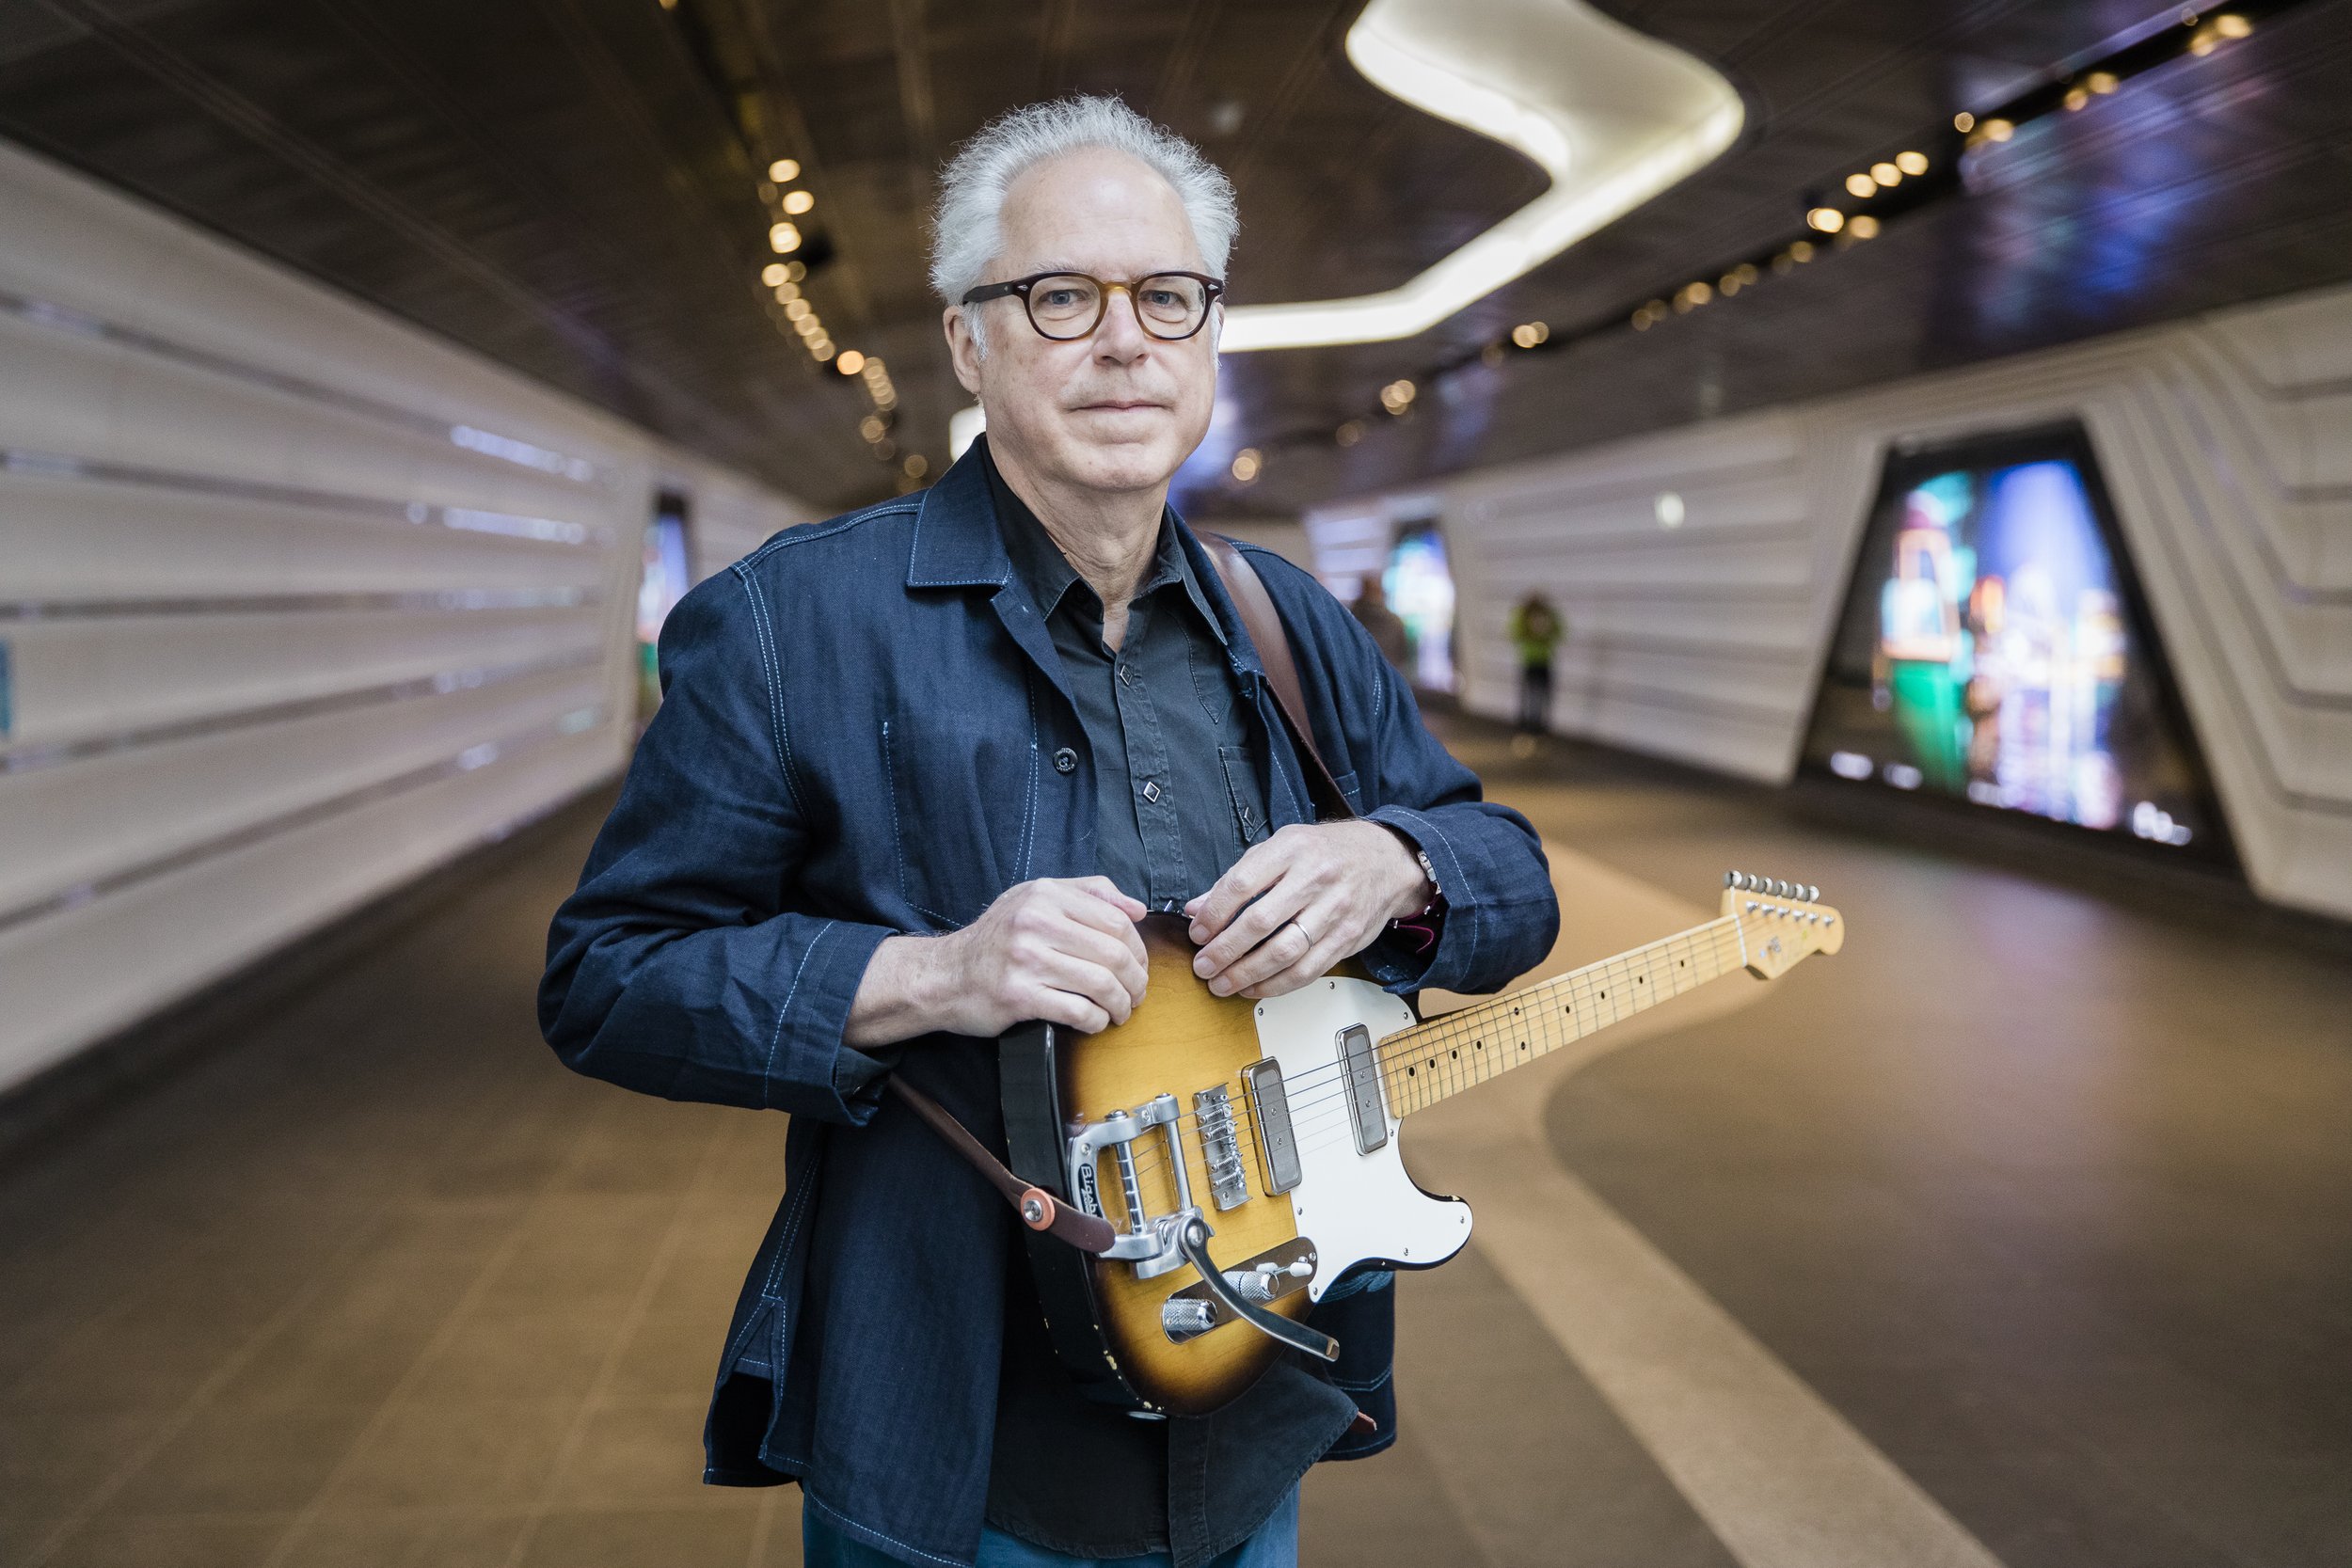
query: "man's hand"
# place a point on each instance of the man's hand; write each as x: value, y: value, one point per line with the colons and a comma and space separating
x: 1059, y: 951
x: 1321, y: 894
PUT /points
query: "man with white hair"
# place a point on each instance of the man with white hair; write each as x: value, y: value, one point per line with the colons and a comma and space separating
x: 918, y: 773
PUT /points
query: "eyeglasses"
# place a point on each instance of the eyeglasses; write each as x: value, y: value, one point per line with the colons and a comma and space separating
x: 1065, y: 306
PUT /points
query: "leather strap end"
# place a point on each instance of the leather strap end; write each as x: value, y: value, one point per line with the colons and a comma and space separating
x: 1042, y: 1211
x: 1362, y: 1426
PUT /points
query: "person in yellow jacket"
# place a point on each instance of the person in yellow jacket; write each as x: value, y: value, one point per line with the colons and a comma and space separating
x: 1537, y: 629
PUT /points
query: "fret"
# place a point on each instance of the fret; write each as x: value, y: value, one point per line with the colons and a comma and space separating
x: 1431, y: 1061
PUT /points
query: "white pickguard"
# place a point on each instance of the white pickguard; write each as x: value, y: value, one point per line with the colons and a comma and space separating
x: 1352, y: 1206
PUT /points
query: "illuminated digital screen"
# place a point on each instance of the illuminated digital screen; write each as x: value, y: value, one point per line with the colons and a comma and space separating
x: 1419, y: 588
x: 1994, y: 648
x: 666, y: 577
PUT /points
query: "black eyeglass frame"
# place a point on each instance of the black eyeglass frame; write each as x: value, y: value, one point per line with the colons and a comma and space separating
x: 1212, y: 287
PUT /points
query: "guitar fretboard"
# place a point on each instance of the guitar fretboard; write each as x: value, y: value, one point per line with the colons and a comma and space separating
x: 1426, y: 1063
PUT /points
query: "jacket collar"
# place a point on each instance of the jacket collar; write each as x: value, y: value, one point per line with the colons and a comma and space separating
x: 959, y: 545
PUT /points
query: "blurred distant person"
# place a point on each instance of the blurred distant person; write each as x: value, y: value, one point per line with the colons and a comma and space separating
x: 1389, y: 632
x: 1535, y: 632
x: 917, y: 775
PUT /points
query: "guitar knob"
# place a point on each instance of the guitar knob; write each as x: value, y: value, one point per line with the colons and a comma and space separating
x: 1186, y: 1315
x: 1253, y: 1285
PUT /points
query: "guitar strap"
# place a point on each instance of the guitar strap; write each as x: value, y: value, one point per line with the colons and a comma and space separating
x: 1265, y: 626
x: 1038, y: 1209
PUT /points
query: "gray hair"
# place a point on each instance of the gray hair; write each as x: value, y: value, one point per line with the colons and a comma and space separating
x: 967, y: 232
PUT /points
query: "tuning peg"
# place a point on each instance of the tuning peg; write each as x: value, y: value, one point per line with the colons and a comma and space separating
x: 1731, y: 879
x: 1812, y: 895
x: 1780, y: 889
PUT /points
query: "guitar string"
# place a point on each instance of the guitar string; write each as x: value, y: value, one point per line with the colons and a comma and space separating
x: 1315, y: 1114
x: 1448, y: 1031
x: 1316, y: 1120
x: 1451, y: 1073
x: 1587, y: 988
x: 1715, y: 929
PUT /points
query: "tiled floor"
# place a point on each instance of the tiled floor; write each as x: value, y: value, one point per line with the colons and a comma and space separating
x: 2049, y: 1197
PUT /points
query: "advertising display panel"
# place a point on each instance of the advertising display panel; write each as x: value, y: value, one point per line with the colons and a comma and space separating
x: 1419, y: 588
x: 666, y: 577
x: 1993, y: 648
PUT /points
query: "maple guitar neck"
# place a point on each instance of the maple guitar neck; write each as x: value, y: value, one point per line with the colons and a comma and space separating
x: 1763, y: 930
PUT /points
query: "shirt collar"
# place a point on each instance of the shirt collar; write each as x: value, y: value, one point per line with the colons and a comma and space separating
x: 1041, y: 567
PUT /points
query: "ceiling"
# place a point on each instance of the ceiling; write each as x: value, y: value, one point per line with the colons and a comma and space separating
x: 574, y: 187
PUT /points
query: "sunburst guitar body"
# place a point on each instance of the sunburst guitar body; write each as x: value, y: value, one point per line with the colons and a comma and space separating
x: 1246, y: 1152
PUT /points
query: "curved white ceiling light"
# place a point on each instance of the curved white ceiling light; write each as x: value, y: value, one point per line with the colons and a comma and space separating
x: 1613, y: 117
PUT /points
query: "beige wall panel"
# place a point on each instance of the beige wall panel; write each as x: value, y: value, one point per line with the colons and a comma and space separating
x: 296, y: 602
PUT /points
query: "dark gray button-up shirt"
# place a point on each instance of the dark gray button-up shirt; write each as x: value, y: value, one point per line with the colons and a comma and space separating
x: 1178, y: 801
x: 1176, y: 794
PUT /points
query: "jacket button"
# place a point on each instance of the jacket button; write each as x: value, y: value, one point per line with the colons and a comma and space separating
x: 1065, y: 760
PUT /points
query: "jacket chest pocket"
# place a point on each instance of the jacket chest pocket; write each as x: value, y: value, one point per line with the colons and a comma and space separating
x: 963, y: 812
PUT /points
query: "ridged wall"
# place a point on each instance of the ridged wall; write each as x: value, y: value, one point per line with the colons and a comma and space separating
x: 297, y: 602
x: 2226, y: 443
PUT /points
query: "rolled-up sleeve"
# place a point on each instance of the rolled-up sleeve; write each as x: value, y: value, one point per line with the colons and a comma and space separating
x: 676, y: 968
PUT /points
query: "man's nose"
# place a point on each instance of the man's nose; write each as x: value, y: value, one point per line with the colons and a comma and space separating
x: 1120, y: 335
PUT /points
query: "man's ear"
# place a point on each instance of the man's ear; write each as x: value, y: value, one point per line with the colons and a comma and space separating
x: 963, y: 351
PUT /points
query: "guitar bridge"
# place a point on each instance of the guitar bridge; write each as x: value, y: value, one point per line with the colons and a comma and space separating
x: 1213, y: 1115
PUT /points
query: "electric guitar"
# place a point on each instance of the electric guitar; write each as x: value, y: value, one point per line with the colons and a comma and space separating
x: 1271, y: 1128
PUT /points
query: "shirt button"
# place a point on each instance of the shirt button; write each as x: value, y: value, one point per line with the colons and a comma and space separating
x: 1065, y: 760
x: 1126, y: 675
x: 1152, y: 792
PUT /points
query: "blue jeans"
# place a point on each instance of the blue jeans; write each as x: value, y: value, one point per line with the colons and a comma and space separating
x: 1272, y: 1545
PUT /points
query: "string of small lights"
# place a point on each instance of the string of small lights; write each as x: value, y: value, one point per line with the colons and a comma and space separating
x: 798, y: 315
x: 1856, y: 209
x: 785, y: 204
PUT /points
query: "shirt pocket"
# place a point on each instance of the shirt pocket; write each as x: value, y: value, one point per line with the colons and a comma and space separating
x: 962, y: 802
x: 1211, y: 682
x: 1241, y: 787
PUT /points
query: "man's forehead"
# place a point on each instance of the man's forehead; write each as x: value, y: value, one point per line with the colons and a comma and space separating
x: 1086, y: 211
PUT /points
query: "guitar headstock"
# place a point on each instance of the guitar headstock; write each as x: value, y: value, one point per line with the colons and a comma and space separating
x: 1780, y: 923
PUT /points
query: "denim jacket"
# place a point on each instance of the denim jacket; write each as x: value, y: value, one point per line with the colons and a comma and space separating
x: 865, y: 731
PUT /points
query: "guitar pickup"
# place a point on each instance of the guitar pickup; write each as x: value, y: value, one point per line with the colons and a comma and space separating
x: 1366, y: 1107
x: 1278, y: 1146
